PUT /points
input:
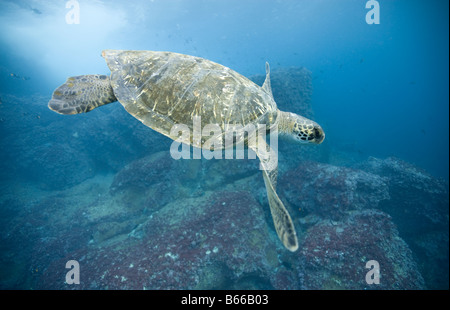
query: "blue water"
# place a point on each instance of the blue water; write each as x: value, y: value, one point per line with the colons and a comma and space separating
x: 379, y: 90
x: 383, y: 87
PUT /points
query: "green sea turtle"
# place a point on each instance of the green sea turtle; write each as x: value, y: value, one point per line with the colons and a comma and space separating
x: 163, y: 89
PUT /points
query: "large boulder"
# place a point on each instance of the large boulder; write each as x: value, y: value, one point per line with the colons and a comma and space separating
x: 213, y: 241
x: 418, y: 205
x: 336, y: 253
x: 418, y: 201
x: 331, y: 191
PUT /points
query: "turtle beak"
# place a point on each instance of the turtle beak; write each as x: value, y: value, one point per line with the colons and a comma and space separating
x: 319, y: 134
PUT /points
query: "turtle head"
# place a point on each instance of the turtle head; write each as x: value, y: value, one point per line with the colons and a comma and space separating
x: 301, y: 129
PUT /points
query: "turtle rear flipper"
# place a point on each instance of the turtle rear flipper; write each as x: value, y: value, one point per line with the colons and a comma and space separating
x: 82, y: 94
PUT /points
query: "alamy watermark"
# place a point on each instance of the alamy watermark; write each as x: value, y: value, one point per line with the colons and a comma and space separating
x: 209, y: 141
x: 73, y: 15
x: 373, y: 16
x: 73, y: 275
x: 373, y: 275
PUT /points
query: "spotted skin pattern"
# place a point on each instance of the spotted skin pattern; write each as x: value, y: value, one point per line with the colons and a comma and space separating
x: 82, y: 94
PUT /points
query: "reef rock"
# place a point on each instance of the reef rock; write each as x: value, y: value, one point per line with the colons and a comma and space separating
x: 336, y: 253
x: 418, y: 201
x: 331, y: 191
x: 418, y: 205
x: 214, y: 241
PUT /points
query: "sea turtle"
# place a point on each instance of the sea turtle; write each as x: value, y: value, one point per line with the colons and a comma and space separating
x: 163, y: 89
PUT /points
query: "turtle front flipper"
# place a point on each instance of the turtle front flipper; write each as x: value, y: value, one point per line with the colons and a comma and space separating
x: 281, y: 219
x: 82, y: 94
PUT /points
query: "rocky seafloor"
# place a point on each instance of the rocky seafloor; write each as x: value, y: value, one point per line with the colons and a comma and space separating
x: 102, y: 189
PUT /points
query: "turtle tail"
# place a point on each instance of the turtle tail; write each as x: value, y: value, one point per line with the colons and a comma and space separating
x: 82, y: 94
